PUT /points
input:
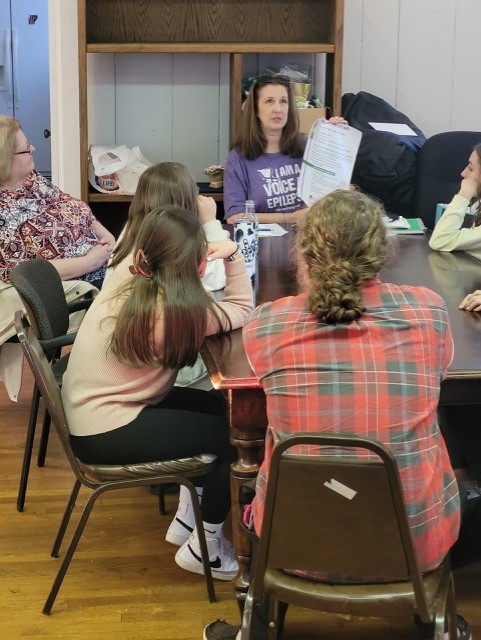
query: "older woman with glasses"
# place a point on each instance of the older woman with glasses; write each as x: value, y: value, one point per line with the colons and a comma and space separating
x: 265, y: 160
x: 37, y: 220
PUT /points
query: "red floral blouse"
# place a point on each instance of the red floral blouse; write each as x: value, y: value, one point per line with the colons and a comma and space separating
x: 40, y: 221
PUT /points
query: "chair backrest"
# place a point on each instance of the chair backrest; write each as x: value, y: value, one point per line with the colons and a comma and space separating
x: 39, y: 286
x: 337, y: 514
x: 48, y: 386
x: 440, y: 162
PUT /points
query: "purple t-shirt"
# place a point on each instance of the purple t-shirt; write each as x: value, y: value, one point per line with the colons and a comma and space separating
x: 270, y: 180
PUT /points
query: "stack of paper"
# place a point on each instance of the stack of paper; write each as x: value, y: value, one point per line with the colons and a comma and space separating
x: 407, y: 226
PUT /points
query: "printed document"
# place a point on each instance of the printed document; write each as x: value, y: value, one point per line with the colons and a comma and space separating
x: 328, y: 160
x: 392, y: 127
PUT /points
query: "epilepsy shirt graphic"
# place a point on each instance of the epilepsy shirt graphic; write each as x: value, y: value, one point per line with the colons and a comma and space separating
x: 280, y: 187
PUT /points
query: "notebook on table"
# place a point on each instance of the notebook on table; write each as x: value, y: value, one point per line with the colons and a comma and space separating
x: 401, y: 225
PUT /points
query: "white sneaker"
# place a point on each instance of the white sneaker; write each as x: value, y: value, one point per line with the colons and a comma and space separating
x: 182, y: 525
x: 222, y: 559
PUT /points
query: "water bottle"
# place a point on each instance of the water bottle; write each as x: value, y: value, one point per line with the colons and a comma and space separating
x: 245, y: 235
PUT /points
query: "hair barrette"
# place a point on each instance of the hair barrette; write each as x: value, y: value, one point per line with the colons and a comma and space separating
x: 141, y: 266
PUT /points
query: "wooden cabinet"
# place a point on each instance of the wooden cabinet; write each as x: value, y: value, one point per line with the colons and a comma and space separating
x: 233, y: 27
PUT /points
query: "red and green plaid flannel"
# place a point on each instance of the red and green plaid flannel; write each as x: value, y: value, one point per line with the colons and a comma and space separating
x: 379, y: 377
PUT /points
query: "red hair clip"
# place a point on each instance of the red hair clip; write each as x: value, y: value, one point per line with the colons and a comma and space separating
x: 141, y: 266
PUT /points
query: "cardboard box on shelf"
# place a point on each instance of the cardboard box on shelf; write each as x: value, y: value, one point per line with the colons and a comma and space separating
x: 307, y: 117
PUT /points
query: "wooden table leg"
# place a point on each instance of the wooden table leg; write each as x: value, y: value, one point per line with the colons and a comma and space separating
x: 248, y: 425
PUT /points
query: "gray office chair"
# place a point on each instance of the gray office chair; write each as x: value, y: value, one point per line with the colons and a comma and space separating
x: 39, y: 286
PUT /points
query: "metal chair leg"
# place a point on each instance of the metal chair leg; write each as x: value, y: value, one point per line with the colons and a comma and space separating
x: 27, y: 454
x: 162, y: 510
x: 65, y: 519
x: 42, y: 447
x: 202, y: 542
x: 71, y: 548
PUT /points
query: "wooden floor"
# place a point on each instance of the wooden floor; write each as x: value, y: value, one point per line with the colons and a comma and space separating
x: 123, y: 583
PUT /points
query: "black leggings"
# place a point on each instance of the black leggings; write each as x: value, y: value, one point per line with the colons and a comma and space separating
x: 186, y: 423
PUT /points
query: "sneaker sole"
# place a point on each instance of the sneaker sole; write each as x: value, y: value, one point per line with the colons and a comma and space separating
x: 218, y: 575
x: 177, y: 540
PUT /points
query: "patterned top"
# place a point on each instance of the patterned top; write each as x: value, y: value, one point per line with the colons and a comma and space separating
x: 379, y: 377
x: 40, y: 221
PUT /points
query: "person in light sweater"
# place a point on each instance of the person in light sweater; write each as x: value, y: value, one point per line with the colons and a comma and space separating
x: 168, y: 183
x: 448, y: 234
x: 149, y: 320
x: 461, y: 423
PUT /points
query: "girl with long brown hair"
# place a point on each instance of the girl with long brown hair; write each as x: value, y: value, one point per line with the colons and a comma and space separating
x: 171, y: 183
x: 149, y: 320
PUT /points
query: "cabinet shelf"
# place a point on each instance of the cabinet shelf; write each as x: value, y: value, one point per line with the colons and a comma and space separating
x: 211, y: 47
x: 108, y: 197
x: 233, y: 27
x: 204, y: 189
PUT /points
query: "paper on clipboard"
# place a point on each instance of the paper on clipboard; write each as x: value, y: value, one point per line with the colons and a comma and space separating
x: 328, y: 160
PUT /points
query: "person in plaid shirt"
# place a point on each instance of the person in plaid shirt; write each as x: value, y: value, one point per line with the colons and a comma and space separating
x: 353, y: 354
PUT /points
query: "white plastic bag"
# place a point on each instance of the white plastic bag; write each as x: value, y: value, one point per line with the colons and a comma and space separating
x: 116, y: 169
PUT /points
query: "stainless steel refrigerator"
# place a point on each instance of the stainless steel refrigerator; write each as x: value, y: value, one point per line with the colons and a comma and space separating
x: 24, y: 72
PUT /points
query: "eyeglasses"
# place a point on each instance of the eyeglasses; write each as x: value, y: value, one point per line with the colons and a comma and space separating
x: 27, y: 150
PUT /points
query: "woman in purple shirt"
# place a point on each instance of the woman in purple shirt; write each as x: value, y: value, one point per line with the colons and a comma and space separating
x: 266, y: 155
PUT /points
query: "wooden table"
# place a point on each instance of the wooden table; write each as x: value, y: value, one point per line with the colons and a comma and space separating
x: 452, y: 275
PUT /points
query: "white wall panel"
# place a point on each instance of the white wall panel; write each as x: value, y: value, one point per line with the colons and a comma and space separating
x: 380, y: 42
x: 101, y: 98
x: 420, y: 56
x: 143, y: 105
x: 465, y: 92
x: 196, y: 109
x: 353, y: 38
x: 224, y: 117
x: 426, y: 52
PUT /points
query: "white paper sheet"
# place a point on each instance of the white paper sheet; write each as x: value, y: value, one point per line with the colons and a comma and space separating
x: 270, y: 230
x: 328, y: 161
x: 393, y: 127
x: 398, y: 223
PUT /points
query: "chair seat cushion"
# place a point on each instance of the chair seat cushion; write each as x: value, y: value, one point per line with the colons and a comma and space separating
x: 108, y: 472
x: 351, y: 599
